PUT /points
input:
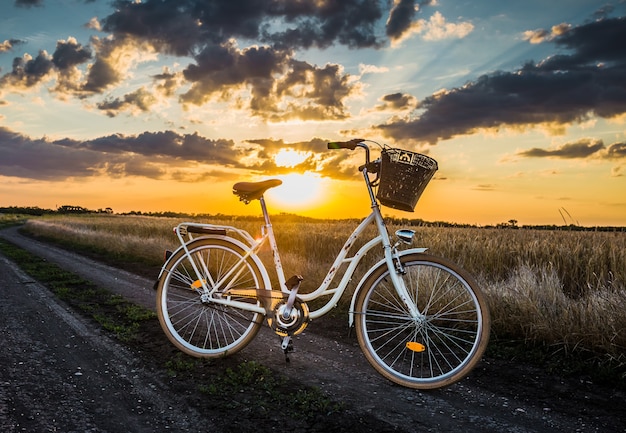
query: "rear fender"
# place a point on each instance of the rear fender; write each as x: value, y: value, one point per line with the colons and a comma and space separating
x: 190, y: 245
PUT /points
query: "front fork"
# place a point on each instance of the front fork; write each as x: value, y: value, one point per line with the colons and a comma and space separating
x: 396, y: 272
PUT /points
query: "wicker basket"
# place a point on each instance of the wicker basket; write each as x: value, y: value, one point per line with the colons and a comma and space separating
x: 403, y: 177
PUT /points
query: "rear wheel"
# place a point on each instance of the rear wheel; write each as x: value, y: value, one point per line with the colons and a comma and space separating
x: 198, y: 326
x: 440, y: 346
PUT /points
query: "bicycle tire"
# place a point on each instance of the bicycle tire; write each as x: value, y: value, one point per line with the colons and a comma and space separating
x: 440, y: 347
x: 205, y: 329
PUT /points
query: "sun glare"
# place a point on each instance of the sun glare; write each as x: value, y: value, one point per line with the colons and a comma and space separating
x: 290, y: 157
x: 298, y: 192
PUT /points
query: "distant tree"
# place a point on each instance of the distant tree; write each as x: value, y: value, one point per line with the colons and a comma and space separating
x: 72, y: 209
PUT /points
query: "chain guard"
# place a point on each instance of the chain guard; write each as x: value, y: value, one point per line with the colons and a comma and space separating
x: 294, y: 323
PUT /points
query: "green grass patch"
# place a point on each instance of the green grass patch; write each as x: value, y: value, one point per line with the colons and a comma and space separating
x: 111, y: 311
x: 260, y: 391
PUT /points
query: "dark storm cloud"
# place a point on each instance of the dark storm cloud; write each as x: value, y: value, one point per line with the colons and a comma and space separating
x: 314, y: 24
x: 563, y: 89
x: 400, y: 18
x: 70, y: 53
x: 169, y: 25
x: 182, y: 27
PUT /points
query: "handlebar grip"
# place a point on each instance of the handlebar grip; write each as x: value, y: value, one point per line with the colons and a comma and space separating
x: 350, y: 144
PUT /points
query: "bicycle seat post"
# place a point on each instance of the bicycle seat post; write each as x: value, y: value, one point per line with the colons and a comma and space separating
x: 272, y: 240
x: 266, y: 216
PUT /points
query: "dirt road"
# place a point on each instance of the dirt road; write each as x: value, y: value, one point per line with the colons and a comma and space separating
x: 58, y: 371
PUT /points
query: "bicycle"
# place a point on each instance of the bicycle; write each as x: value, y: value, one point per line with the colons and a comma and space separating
x: 421, y: 321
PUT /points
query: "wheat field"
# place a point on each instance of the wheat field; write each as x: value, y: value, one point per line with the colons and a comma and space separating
x: 565, y: 289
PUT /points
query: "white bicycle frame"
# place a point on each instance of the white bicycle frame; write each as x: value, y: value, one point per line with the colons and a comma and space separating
x: 252, y: 246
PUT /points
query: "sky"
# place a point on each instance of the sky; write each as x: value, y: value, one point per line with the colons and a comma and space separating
x: 162, y: 105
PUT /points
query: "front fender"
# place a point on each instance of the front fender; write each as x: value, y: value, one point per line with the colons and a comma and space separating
x: 371, y: 270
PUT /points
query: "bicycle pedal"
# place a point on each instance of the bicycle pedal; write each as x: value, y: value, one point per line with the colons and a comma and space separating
x: 294, y: 282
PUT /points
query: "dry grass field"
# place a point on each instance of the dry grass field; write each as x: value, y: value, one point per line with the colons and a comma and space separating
x: 561, y: 289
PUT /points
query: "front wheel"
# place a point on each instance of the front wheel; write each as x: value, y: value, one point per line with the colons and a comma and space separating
x: 442, y: 344
x: 189, y: 319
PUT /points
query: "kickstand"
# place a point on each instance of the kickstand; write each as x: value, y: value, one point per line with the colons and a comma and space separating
x: 287, y: 346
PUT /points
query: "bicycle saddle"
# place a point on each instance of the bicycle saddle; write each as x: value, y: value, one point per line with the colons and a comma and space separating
x: 248, y: 191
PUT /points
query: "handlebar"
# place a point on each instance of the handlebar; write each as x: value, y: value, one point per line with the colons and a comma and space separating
x: 350, y: 144
x: 369, y: 166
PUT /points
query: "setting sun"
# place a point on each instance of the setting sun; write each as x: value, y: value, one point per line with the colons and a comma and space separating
x: 298, y: 191
x: 290, y: 157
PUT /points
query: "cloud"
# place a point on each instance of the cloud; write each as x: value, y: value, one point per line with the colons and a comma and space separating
x: 320, y: 160
x: 158, y: 155
x: 183, y: 28
x: 279, y: 87
x: 166, y: 145
x: 150, y: 154
x: 94, y: 24
x: 616, y: 151
x: 322, y: 24
x: 21, y: 156
x: 542, y: 35
x: 400, y: 18
x: 563, y: 89
x: 114, y: 58
x: 274, y: 85
x: 9, y: 44
x: 397, y: 102
x: 28, y: 72
x: 266, y: 79
x: 401, y: 24
x: 69, y: 54
x: 141, y: 100
x: 28, y: 3
x: 437, y: 28
x: 579, y: 149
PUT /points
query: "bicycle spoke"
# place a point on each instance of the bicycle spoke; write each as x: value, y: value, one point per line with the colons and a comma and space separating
x: 448, y: 327
x: 189, y: 318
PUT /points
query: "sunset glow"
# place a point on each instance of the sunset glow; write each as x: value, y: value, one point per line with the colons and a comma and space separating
x: 146, y: 106
x: 299, y: 192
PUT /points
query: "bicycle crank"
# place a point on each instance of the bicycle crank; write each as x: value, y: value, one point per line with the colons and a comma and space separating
x: 287, y: 321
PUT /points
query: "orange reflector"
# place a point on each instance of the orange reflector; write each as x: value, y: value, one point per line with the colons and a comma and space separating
x: 197, y: 284
x: 415, y: 346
